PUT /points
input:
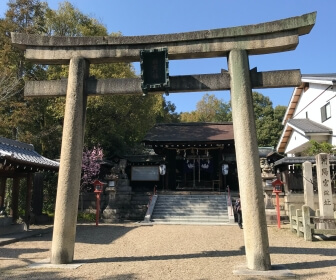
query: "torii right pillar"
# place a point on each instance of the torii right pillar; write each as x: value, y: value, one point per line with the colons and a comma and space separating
x: 247, y: 155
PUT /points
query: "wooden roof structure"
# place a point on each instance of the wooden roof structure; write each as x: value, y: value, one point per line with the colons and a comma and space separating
x: 18, y: 157
x: 18, y: 161
x: 181, y: 135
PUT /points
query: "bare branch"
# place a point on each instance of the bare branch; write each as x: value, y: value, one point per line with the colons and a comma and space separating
x: 9, y: 86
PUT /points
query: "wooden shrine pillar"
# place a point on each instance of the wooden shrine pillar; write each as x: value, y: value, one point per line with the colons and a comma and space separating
x: 29, y: 190
x: 15, y: 199
x: 3, y: 181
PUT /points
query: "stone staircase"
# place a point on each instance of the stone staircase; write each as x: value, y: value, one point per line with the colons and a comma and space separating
x: 209, y: 209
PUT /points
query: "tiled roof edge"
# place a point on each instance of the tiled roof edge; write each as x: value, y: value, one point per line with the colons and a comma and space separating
x: 16, y: 143
x: 194, y: 124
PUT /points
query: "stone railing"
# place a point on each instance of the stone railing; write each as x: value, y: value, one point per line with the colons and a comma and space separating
x: 303, y: 224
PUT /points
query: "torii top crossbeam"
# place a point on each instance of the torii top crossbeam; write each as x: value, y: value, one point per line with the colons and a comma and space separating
x: 263, y: 38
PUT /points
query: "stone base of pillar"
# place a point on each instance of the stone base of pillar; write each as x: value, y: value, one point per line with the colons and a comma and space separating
x: 271, y: 217
x: 325, y: 223
x: 276, y: 272
x: 119, y: 198
x: 110, y: 216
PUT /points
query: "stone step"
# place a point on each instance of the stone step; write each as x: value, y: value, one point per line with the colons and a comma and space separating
x: 192, y: 197
x: 190, y: 209
x: 191, y: 221
x: 191, y: 203
x: 204, y: 201
x: 202, y: 217
x: 189, y: 212
x: 188, y: 217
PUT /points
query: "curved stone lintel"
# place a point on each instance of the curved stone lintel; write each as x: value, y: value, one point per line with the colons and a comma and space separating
x: 263, y: 44
x: 269, y: 37
x: 303, y: 24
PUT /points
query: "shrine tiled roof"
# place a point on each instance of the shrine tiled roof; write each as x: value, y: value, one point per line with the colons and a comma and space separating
x: 190, y: 132
x: 15, y: 152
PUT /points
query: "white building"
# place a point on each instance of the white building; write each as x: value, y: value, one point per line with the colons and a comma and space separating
x: 311, y: 114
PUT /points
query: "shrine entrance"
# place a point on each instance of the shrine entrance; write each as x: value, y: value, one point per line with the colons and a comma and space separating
x: 197, y: 156
x: 196, y: 172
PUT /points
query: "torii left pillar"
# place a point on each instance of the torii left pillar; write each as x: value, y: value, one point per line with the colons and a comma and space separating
x: 64, y: 234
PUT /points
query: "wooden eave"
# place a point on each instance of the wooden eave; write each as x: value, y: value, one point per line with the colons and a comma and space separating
x: 286, y: 134
x: 293, y: 103
x: 19, y: 166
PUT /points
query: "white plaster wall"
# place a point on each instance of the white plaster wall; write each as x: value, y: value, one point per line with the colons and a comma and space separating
x: 312, y: 100
x: 295, y: 142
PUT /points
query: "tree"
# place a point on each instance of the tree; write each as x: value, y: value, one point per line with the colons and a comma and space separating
x: 22, y: 16
x: 70, y: 21
x: 90, y: 166
x: 207, y: 110
x: 9, y: 86
x: 268, y: 120
x: 27, y: 15
x: 317, y: 148
x: 224, y: 113
x: 167, y: 114
x: 189, y: 116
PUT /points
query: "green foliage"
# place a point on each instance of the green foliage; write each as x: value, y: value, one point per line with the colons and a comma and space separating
x: 86, y: 217
x: 208, y: 109
x: 69, y: 21
x: 317, y: 148
x: 268, y: 120
x: 224, y: 113
x: 25, y: 16
x: 49, y: 192
x: 166, y: 112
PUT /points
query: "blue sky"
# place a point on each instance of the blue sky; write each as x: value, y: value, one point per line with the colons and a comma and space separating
x: 315, y: 53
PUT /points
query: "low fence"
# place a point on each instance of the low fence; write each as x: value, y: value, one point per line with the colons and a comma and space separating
x: 304, y: 224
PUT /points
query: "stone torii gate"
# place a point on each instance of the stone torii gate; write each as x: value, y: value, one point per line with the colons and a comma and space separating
x: 235, y: 43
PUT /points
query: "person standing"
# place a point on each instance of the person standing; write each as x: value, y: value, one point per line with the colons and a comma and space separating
x: 239, y: 212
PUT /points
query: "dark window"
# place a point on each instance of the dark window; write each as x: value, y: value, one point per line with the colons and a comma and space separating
x: 325, y: 112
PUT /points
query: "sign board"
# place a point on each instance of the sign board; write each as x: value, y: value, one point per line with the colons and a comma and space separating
x: 154, y: 70
x: 145, y: 173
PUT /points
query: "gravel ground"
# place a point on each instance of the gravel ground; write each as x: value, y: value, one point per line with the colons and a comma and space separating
x: 137, y: 251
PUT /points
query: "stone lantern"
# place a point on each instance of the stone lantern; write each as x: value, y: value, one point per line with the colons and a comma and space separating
x: 267, y: 178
